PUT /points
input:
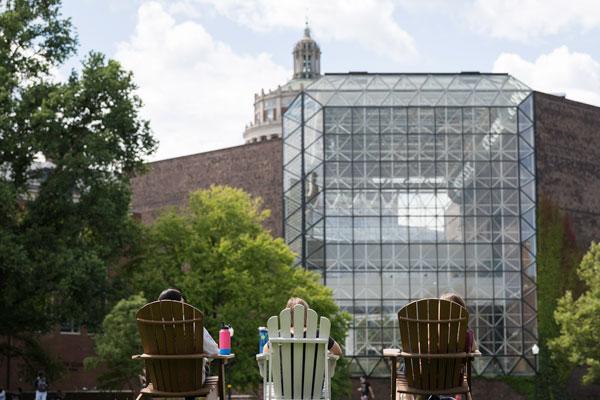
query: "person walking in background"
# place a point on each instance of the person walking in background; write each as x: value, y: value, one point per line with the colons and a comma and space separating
x: 41, y: 386
x: 2, y: 394
x: 365, y: 389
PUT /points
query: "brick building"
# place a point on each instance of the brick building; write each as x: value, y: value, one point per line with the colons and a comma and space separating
x: 567, y: 172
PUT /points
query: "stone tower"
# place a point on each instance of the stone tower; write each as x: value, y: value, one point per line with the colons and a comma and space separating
x: 307, y: 57
x: 270, y: 106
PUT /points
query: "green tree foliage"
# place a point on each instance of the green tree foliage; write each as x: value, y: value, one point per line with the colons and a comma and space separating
x: 557, y: 258
x: 63, y: 222
x: 579, y: 320
x: 116, y: 344
x: 218, y: 253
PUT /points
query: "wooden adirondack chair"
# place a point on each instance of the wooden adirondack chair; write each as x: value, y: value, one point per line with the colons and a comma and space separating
x: 295, y: 367
x: 433, y: 334
x: 172, y: 338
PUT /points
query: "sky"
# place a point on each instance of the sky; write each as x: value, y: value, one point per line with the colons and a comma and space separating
x: 198, y: 63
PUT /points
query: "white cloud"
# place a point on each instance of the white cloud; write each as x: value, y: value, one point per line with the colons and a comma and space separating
x: 560, y: 71
x: 524, y: 20
x: 198, y: 92
x: 368, y: 23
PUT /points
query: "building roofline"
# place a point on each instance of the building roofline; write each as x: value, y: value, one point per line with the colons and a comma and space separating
x: 417, y: 73
x: 564, y: 99
x: 214, y: 151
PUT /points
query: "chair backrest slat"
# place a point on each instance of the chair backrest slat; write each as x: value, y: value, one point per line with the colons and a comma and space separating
x: 161, y: 340
x: 413, y: 334
x: 298, y: 354
x: 433, y: 326
x: 320, y: 365
x: 285, y: 321
x: 309, y: 354
x: 149, y: 344
x: 275, y: 364
x: 444, y: 364
x: 298, y: 366
x: 432, y: 314
x: 422, y: 314
x: 172, y: 328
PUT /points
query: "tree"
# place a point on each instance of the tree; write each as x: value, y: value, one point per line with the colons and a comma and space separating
x: 557, y: 257
x: 67, y: 151
x: 218, y: 253
x: 116, y: 344
x: 579, y: 340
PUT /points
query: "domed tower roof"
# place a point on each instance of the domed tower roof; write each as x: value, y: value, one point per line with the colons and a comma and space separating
x: 307, y: 57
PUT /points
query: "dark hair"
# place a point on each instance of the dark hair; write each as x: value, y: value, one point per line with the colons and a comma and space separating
x: 171, y: 294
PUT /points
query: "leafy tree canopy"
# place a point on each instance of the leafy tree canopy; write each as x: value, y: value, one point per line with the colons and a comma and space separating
x: 116, y: 344
x: 579, y: 322
x: 67, y: 151
x: 226, y: 264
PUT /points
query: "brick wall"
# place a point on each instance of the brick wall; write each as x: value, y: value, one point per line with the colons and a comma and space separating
x: 568, y: 161
x: 255, y: 167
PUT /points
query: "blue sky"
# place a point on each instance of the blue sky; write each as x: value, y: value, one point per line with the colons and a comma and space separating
x: 198, y: 62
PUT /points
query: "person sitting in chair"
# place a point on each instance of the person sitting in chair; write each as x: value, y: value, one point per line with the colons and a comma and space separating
x: 209, y: 344
x: 333, y: 347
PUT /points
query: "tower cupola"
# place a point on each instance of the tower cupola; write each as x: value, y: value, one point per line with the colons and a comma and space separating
x: 307, y: 57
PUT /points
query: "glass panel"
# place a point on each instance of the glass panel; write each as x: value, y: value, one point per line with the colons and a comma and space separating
x: 419, y: 201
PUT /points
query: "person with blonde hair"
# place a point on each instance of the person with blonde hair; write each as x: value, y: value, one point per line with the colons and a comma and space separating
x: 333, y: 347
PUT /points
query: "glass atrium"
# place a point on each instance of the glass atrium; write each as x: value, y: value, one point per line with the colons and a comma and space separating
x: 404, y: 186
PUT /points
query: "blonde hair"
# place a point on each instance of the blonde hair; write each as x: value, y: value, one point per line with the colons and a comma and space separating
x: 455, y: 298
x: 294, y: 301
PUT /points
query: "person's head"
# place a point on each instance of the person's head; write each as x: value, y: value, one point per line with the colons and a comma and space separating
x: 363, y: 379
x: 454, y: 297
x: 171, y: 294
x: 292, y: 302
x: 41, y: 374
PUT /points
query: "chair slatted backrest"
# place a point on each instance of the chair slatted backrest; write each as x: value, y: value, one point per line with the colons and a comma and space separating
x: 433, y: 326
x: 297, y: 365
x: 172, y: 328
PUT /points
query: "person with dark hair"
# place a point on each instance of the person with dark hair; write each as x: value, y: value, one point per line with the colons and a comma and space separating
x: 41, y: 386
x: 209, y: 344
x: 365, y: 389
x: 2, y: 394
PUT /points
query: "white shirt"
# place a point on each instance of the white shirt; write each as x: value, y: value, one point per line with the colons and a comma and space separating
x: 210, y: 346
x: 2, y: 395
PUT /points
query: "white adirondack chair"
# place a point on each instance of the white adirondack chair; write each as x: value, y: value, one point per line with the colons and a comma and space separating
x: 297, y: 368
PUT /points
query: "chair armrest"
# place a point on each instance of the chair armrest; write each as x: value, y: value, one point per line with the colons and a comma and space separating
x: 181, y: 356
x: 262, y: 359
x: 434, y: 355
x: 391, y: 352
x: 221, y: 356
x: 331, y: 363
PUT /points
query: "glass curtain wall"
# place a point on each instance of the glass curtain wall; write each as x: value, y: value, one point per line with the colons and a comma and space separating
x: 400, y: 187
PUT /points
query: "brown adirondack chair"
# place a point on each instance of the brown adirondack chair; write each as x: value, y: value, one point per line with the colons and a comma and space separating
x: 433, y: 334
x: 172, y: 338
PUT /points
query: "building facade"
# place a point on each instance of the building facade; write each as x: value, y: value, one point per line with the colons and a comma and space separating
x: 270, y: 106
x: 404, y: 186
